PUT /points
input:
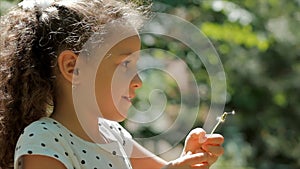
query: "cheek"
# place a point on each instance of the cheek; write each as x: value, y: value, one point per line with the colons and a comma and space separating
x: 120, y: 82
x: 107, y: 90
x: 102, y: 87
x: 121, y: 79
x: 111, y: 84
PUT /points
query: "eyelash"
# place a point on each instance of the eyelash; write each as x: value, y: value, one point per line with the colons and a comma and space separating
x: 125, y: 63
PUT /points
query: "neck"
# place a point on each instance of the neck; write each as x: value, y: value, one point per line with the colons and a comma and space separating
x: 82, y: 125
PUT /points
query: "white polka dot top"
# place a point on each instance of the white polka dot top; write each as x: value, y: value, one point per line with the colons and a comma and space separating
x: 50, y: 138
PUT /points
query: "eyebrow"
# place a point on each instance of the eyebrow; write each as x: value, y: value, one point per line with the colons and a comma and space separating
x: 126, y: 54
x: 122, y: 55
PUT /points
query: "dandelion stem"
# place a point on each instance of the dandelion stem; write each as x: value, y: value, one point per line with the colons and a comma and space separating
x: 221, y: 119
x: 212, y: 132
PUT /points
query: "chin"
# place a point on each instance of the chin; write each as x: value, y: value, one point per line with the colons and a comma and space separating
x: 116, y: 116
x: 120, y: 120
x: 122, y: 117
x: 117, y: 119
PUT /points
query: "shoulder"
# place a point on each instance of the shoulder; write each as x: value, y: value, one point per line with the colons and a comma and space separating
x: 41, y: 141
x: 118, y: 132
x: 39, y: 131
x: 120, y: 129
x: 43, y: 125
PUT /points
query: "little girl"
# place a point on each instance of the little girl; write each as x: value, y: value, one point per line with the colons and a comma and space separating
x: 40, y: 46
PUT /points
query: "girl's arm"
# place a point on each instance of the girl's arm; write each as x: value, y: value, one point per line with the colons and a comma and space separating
x: 148, y: 160
x: 200, y: 151
x: 39, y: 161
x: 144, y: 159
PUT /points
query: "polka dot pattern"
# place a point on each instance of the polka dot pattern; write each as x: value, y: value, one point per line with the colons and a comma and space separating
x: 50, y: 138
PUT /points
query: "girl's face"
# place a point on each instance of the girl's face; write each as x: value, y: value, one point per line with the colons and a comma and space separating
x: 117, y: 79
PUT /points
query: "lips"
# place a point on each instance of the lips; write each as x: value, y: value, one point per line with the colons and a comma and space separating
x: 127, y: 98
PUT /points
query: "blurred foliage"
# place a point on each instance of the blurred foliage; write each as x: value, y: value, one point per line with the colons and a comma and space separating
x: 259, y: 45
x: 5, y: 5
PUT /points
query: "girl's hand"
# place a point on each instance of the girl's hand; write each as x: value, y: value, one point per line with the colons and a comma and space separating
x: 197, y: 160
x: 199, y: 142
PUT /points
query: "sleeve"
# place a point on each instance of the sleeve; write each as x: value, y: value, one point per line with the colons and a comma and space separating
x: 124, y: 137
x: 39, y: 139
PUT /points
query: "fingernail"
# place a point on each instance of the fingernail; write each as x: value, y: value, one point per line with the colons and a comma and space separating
x: 204, y: 147
x: 189, y: 153
x: 202, y: 139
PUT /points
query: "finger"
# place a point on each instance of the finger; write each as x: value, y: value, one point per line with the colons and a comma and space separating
x: 200, y: 166
x: 197, y: 133
x: 194, y: 139
x: 189, y: 160
x: 196, y: 158
x: 212, y: 159
x: 214, y: 150
x: 200, y: 150
x: 184, y: 153
x: 214, y: 139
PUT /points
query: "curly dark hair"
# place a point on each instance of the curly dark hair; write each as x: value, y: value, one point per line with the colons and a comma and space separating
x: 31, y: 40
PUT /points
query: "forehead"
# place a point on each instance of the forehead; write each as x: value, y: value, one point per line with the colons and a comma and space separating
x: 127, y: 46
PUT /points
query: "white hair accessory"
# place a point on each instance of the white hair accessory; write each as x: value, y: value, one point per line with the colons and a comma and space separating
x: 30, y: 4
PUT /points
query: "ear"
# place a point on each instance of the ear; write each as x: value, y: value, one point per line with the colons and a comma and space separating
x: 66, y: 62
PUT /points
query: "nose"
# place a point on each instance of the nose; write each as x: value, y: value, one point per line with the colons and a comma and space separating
x: 136, y: 82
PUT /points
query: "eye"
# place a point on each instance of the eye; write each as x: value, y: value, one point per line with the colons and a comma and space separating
x: 125, y: 63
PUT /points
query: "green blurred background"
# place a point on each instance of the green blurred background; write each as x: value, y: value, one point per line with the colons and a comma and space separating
x: 258, y: 42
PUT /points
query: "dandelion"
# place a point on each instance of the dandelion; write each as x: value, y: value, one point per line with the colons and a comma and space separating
x: 221, y: 119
